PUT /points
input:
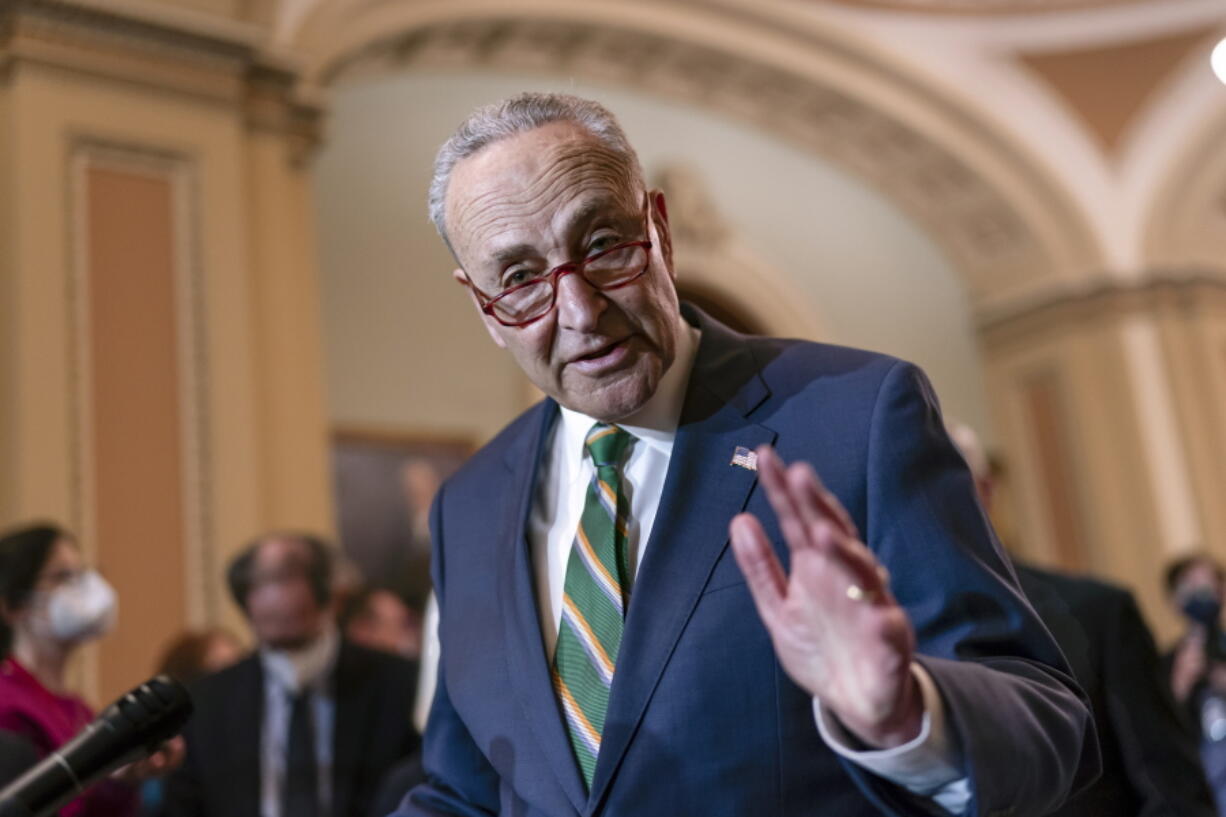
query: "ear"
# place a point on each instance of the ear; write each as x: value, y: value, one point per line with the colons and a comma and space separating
x: 492, y: 326
x: 664, y: 234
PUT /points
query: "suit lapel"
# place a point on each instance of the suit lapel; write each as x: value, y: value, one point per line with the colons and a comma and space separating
x: 348, y: 726
x: 526, y: 657
x: 702, y: 492
x: 246, y: 724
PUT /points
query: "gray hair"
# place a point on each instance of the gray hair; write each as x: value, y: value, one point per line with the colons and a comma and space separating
x: 520, y: 114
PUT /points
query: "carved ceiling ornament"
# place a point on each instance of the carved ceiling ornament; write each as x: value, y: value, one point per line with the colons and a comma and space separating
x: 204, y: 59
x: 993, y: 246
x: 713, y: 262
x: 987, y: 6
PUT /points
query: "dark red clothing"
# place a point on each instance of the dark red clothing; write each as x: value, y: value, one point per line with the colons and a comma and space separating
x: 47, y: 721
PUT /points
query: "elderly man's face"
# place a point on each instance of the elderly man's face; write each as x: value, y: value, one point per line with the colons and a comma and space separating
x: 547, y: 197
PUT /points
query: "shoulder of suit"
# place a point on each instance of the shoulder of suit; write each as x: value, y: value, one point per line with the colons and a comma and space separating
x: 1074, y: 587
x: 375, y: 662
x: 791, y: 368
x: 246, y: 667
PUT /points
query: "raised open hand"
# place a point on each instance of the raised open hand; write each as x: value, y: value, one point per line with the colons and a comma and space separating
x: 836, y: 628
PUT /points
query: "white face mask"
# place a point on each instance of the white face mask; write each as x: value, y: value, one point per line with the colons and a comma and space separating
x: 78, y: 610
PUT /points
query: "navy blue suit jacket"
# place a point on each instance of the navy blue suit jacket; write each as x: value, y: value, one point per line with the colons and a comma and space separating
x: 702, y: 720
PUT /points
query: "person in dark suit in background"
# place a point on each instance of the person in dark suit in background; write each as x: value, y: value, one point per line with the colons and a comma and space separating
x: 604, y: 650
x: 310, y: 724
x: 1150, y: 762
x: 1196, y: 665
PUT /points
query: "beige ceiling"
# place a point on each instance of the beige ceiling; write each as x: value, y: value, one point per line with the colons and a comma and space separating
x: 986, y: 6
x: 1105, y: 87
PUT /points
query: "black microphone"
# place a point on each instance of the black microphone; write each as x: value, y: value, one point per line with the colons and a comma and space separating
x: 129, y: 729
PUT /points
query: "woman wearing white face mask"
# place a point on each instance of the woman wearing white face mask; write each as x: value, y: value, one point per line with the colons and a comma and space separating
x: 50, y: 604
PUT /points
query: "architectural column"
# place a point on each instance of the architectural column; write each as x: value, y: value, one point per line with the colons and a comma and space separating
x: 159, y: 359
x: 1108, y: 404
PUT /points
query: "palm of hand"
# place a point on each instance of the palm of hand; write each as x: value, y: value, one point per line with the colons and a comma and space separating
x: 852, y: 655
x: 836, y: 629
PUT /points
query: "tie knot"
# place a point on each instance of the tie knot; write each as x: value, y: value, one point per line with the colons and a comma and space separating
x: 607, y: 445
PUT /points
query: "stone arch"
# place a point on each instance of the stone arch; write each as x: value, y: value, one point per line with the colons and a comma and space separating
x: 1178, y: 168
x: 1006, y: 225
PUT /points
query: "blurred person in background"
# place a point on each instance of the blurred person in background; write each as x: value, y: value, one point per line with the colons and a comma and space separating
x: 1196, y: 666
x: 310, y: 724
x: 1150, y: 765
x: 187, y: 659
x: 378, y: 618
x: 50, y: 605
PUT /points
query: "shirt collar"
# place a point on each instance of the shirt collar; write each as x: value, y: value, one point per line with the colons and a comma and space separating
x: 656, y: 421
x: 296, y: 670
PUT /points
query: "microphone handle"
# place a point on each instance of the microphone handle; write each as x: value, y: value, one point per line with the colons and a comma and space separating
x: 127, y: 730
x: 51, y: 784
x: 11, y: 807
x: 44, y: 789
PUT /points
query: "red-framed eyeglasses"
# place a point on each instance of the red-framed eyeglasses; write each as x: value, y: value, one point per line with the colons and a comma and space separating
x: 532, y: 300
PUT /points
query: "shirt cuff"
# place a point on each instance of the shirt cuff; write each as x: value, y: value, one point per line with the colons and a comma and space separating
x: 927, y: 765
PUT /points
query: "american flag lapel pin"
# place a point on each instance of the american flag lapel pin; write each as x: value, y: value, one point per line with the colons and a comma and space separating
x: 742, y: 457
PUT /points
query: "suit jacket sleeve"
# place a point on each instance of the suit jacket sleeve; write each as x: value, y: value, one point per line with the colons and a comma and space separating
x: 1158, y: 749
x: 459, y: 779
x: 1024, y: 729
x: 181, y: 796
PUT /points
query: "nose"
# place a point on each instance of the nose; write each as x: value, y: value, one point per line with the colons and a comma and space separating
x: 579, y: 304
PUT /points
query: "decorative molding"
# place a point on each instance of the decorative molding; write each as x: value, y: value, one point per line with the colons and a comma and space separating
x: 978, y: 227
x: 716, y: 266
x: 988, y: 6
x: 87, y: 152
x: 270, y: 106
x: 1104, y: 299
x: 145, y: 45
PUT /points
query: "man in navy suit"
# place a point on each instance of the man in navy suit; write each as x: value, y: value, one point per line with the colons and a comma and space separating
x: 643, y: 611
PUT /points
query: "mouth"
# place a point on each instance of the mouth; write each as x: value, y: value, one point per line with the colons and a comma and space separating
x: 603, y: 358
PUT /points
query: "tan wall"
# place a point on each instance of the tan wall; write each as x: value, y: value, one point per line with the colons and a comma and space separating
x: 9, y: 308
x: 136, y: 417
x: 161, y: 346
x: 1193, y: 326
x: 1115, y: 448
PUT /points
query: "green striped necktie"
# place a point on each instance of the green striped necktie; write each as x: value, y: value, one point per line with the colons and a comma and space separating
x: 594, y: 598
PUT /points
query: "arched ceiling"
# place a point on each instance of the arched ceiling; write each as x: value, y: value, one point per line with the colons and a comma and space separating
x: 987, y: 6
x: 1004, y: 223
x: 1006, y: 173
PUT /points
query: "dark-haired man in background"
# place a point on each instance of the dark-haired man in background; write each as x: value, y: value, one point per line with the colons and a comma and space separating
x: 309, y: 724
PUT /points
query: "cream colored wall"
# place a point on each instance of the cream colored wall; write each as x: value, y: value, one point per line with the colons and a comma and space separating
x: 9, y: 307
x: 1142, y: 377
x: 254, y: 435
x: 404, y: 347
x: 55, y: 109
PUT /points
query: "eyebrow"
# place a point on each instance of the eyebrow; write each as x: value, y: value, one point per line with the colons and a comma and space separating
x: 513, y: 253
x: 581, y: 218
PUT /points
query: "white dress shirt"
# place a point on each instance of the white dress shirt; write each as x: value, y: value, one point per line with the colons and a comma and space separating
x: 285, y: 675
x: 926, y: 766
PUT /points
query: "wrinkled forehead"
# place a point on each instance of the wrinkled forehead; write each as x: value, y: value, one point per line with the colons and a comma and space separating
x: 529, y: 187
